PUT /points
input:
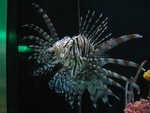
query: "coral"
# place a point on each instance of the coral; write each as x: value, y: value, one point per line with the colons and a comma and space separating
x: 141, y: 106
x: 147, y: 75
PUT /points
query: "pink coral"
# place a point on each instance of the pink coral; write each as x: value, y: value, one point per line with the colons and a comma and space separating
x: 141, y: 106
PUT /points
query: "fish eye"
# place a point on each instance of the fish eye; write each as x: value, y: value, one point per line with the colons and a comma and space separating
x: 53, y: 53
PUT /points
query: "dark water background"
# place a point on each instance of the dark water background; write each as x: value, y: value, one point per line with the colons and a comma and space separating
x: 32, y: 94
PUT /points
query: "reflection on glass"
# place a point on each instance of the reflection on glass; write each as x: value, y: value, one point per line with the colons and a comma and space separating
x: 3, y: 10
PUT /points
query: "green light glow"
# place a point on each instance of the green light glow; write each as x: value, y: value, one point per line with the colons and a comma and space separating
x: 12, y: 36
x: 2, y: 35
x: 23, y: 49
x: 3, y: 24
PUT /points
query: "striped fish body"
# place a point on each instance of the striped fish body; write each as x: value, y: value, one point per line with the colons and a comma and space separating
x: 71, y: 51
x: 80, y: 56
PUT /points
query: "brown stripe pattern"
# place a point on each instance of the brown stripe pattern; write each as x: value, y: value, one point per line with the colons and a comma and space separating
x: 47, y: 21
x: 80, y: 58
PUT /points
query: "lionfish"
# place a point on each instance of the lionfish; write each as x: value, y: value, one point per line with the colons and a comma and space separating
x: 82, y: 59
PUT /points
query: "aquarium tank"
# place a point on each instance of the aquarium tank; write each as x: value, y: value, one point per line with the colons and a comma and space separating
x: 77, y: 56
